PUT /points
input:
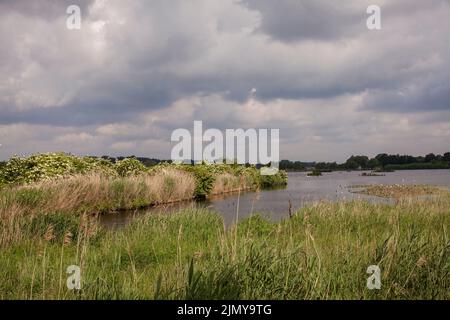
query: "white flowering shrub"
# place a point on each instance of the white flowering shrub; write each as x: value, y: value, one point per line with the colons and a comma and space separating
x: 49, y: 166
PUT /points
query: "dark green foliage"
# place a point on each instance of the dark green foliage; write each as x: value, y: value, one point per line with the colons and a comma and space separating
x: 204, y: 176
x: 291, y: 165
x: 446, y: 157
x: 418, y: 166
x: 279, y: 179
x: 357, y: 162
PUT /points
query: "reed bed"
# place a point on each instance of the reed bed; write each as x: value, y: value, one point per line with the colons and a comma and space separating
x: 96, y: 193
x: 226, y: 182
x: 321, y: 252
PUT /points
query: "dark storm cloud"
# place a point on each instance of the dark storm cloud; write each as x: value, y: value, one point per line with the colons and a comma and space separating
x: 148, y: 78
x: 123, y: 104
x: 294, y: 20
x: 327, y: 20
x: 431, y: 97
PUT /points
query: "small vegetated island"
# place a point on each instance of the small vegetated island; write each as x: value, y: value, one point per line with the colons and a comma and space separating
x: 399, y: 191
x: 97, y: 185
x: 48, y: 208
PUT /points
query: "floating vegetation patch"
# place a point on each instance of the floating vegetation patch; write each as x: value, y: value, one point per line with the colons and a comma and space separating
x: 397, y: 190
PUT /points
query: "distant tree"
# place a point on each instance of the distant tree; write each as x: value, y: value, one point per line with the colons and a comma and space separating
x: 326, y: 166
x: 351, y: 164
x: 290, y: 165
x: 430, y: 157
x: 373, y: 164
x: 108, y: 158
x: 406, y: 159
x: 148, y: 162
x: 420, y: 159
x: 383, y: 158
x: 285, y: 164
x: 361, y: 162
x: 447, y: 156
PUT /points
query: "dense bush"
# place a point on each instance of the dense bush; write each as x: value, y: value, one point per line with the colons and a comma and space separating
x: 278, y: 179
x: 204, y: 177
x: 48, y: 166
x: 129, y: 167
x: 40, y: 167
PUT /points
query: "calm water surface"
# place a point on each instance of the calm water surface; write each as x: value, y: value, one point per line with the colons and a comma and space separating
x: 300, y: 191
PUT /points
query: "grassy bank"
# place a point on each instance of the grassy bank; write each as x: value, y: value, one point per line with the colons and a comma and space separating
x: 322, y: 252
x: 58, y: 183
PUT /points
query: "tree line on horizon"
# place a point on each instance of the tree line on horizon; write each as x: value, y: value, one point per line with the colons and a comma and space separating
x: 381, y: 162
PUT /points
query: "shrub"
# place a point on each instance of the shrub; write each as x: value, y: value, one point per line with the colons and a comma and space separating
x: 278, y: 179
x: 42, y: 167
x: 204, y: 177
x: 129, y: 167
x: 48, y: 166
x: 315, y: 173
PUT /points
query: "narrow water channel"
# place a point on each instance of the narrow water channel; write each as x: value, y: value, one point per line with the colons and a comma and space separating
x: 300, y: 191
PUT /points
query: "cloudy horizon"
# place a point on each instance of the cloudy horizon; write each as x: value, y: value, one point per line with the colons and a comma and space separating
x: 137, y: 70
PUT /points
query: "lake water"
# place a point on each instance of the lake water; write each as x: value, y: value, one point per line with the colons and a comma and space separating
x: 300, y: 191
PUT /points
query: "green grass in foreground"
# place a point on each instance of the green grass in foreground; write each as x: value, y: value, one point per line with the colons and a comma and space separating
x: 321, y: 253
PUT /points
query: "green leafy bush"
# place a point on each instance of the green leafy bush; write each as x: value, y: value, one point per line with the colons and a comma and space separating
x: 129, y: 167
x: 48, y: 166
x: 20, y: 171
x: 278, y: 179
x: 205, y: 178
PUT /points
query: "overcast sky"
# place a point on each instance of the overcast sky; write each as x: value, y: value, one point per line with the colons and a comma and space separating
x: 137, y: 70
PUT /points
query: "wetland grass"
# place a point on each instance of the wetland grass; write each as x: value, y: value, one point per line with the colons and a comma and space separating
x: 321, y: 252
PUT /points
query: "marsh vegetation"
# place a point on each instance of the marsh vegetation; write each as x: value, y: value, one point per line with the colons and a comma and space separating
x: 48, y: 221
x: 398, y: 191
x: 322, y: 252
